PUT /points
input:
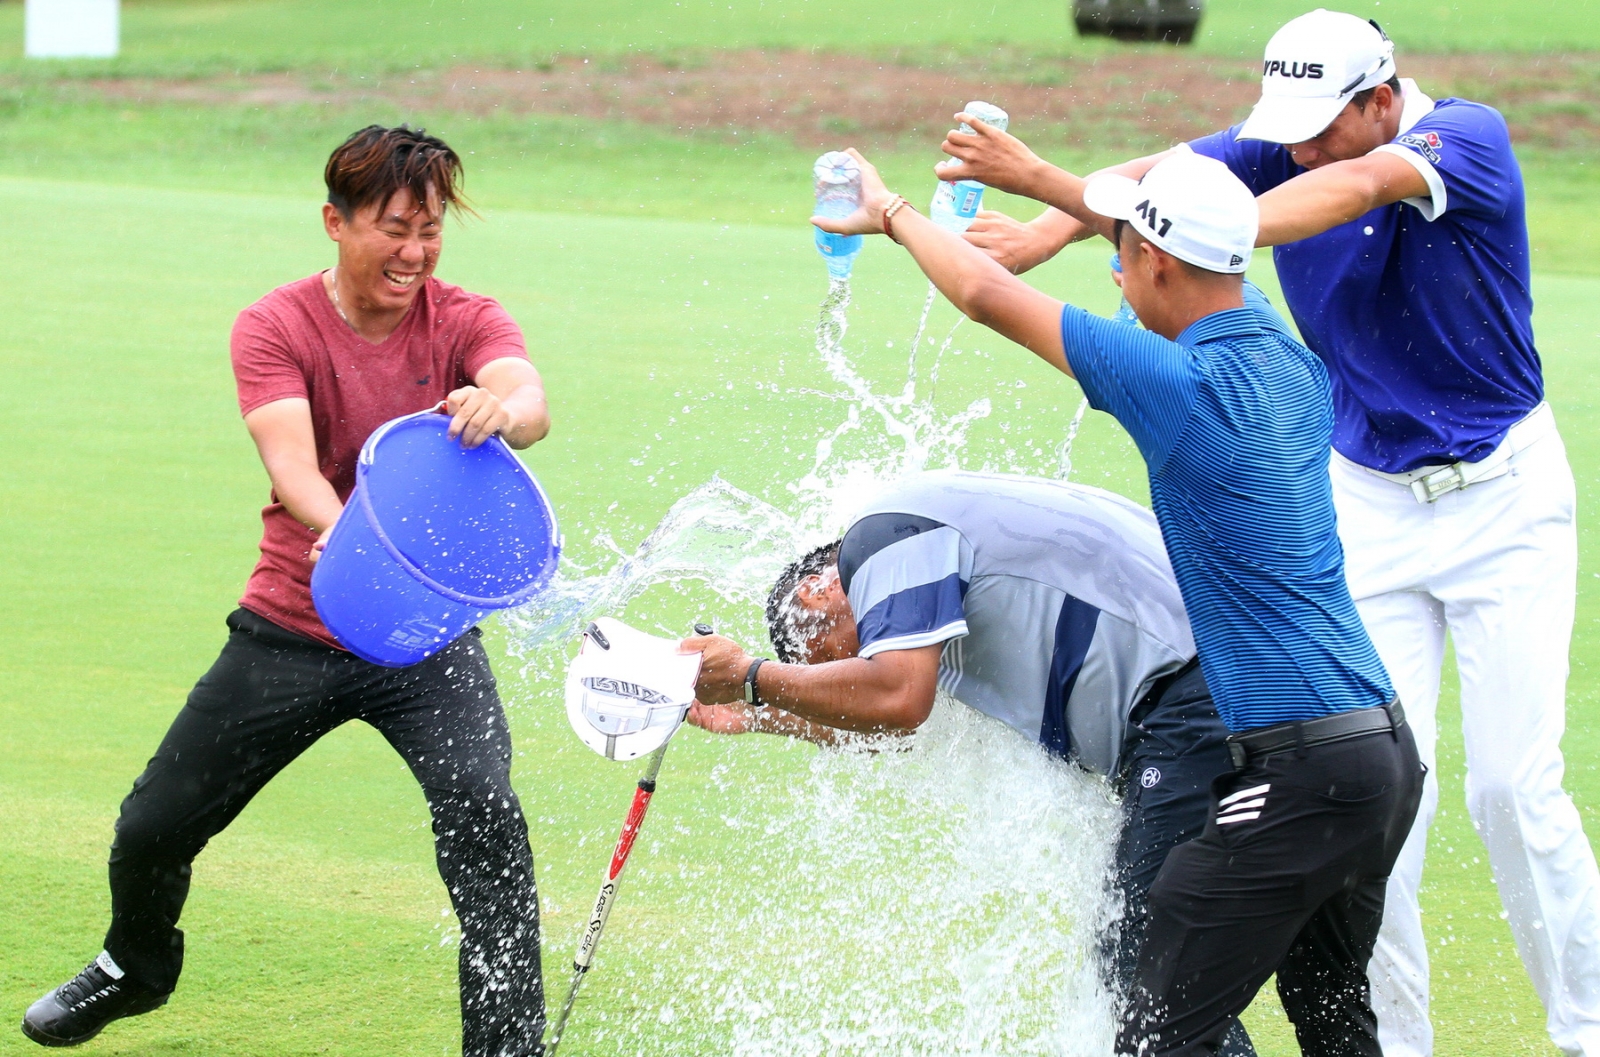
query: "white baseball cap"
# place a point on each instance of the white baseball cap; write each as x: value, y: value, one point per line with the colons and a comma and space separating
x: 627, y: 692
x: 1314, y: 65
x: 1191, y: 206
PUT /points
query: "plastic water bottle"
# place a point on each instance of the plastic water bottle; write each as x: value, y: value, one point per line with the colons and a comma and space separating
x: 956, y: 202
x: 1125, y: 312
x: 838, y: 184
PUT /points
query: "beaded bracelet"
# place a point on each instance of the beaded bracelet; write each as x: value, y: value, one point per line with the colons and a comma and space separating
x: 888, y: 216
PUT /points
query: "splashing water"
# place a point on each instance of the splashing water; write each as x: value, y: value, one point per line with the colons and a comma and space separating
x: 716, y: 534
x: 946, y: 900
x: 1064, y: 453
x: 735, y: 543
x: 942, y: 900
x: 834, y: 488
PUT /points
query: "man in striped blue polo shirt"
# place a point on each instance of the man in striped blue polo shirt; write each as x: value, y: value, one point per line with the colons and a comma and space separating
x: 1233, y: 417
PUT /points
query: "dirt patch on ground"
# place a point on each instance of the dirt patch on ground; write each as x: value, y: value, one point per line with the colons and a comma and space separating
x: 813, y: 98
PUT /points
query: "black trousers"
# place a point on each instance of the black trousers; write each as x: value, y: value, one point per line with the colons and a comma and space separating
x: 268, y: 697
x: 1288, y: 876
x: 1177, y: 746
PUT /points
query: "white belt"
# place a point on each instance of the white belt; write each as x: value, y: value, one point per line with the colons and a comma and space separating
x: 1428, y: 483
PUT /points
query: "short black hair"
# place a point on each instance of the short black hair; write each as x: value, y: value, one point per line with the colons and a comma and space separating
x: 1122, y: 225
x: 1361, y: 99
x: 780, y: 623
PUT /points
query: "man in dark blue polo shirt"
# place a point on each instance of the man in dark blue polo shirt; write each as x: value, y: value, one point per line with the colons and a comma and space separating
x: 1402, y: 246
x: 1233, y: 418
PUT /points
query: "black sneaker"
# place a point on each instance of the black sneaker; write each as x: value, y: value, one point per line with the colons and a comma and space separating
x: 77, y: 1010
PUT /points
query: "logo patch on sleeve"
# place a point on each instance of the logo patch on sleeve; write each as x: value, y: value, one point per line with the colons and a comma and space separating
x: 1426, y: 144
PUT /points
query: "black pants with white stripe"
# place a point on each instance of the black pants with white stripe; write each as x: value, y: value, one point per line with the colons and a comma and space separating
x: 1176, y: 747
x: 1287, y: 877
x: 269, y: 696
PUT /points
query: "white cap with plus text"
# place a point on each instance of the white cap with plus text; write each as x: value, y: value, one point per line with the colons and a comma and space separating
x: 1190, y: 206
x: 1314, y: 66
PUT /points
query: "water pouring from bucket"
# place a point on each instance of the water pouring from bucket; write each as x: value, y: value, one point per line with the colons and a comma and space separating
x: 434, y: 538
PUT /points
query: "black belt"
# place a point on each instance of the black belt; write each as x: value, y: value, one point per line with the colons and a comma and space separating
x: 1302, y: 734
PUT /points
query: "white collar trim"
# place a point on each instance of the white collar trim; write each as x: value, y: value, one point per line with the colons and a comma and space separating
x: 1414, y: 105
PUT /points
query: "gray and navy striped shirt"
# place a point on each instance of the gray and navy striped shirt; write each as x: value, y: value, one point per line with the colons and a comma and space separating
x: 1055, y: 601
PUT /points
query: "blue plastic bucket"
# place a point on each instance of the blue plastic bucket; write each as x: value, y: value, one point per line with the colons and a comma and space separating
x: 435, y: 537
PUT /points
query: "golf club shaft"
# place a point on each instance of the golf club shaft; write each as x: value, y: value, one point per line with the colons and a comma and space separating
x: 608, y: 892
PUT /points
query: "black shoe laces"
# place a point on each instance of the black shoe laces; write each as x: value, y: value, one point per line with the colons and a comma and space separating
x: 92, y: 980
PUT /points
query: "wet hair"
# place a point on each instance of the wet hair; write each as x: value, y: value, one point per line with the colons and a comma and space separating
x: 786, y: 636
x: 376, y: 162
x: 1362, y: 98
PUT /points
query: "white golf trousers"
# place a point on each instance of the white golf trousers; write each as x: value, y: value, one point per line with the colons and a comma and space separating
x: 1495, y: 565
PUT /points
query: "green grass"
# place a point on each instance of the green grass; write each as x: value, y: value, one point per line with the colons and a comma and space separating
x: 130, y: 491
x: 269, y: 34
x: 668, y: 289
x: 565, y: 165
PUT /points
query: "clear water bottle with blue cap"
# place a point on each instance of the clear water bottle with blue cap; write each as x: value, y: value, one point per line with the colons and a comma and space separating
x: 838, y: 185
x: 956, y: 202
x: 1125, y: 312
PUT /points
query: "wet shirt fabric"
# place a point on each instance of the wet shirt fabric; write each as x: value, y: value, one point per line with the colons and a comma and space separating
x: 1233, y: 420
x: 292, y: 343
x: 1055, y: 601
x: 1422, y: 309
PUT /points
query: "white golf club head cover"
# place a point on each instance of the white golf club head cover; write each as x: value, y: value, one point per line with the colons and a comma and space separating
x: 626, y: 698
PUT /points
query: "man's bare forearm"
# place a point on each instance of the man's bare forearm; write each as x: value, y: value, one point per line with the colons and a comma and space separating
x: 307, y: 495
x: 286, y: 442
x: 782, y: 722
x: 530, y: 416
x: 1063, y: 192
x: 863, y: 696
x: 1061, y: 227
x: 1324, y: 198
x: 982, y: 290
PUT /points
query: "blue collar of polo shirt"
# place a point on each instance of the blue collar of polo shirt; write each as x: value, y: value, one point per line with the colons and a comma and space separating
x: 1229, y: 323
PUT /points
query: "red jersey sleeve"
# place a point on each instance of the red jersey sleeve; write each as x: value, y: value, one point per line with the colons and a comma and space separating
x: 265, y: 368
x: 494, y: 336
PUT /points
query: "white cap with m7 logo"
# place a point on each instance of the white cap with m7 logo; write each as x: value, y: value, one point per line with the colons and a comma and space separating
x: 1314, y: 65
x: 1191, y: 207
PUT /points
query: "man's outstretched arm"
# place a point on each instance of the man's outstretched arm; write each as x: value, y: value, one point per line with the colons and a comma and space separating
x: 1021, y: 246
x: 1307, y: 205
x: 1000, y: 160
x: 890, y: 692
x: 1335, y: 194
x: 740, y: 718
x: 978, y: 286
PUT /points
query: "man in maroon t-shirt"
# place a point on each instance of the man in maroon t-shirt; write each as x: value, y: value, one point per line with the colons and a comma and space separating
x: 320, y: 364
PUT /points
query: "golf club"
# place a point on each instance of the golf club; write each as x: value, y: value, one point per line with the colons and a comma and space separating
x: 613, y: 875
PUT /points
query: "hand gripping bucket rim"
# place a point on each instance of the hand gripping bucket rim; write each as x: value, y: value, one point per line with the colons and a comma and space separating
x: 517, y: 597
x: 382, y: 603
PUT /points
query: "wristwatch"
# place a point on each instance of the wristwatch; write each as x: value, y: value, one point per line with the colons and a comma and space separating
x: 751, y: 696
